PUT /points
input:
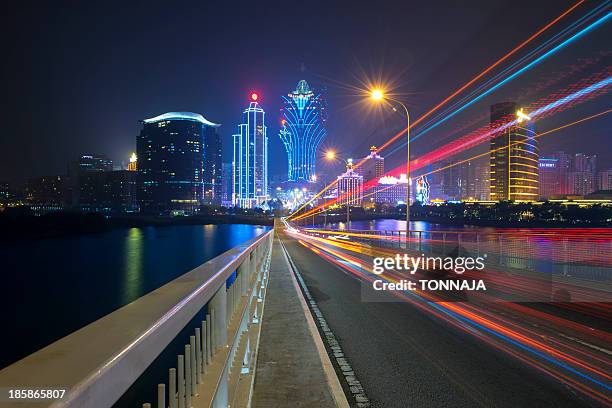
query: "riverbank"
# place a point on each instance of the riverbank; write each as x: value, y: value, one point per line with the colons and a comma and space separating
x: 62, y: 224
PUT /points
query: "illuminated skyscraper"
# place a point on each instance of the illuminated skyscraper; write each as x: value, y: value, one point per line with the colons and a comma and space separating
x: 304, y: 114
x: 373, y: 165
x: 170, y: 150
x: 514, y: 156
x: 212, y: 174
x: 250, y: 162
x: 350, y: 187
x: 550, y: 177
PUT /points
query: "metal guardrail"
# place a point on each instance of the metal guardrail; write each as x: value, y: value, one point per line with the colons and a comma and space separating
x: 99, y: 362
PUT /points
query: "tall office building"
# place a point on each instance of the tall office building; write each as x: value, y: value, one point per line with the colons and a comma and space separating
x: 250, y: 162
x: 170, y: 150
x: 373, y: 166
x: 564, y: 166
x: 213, y: 173
x: 80, y: 172
x: 550, y: 177
x: 304, y: 115
x: 350, y: 187
x: 372, y: 169
x: 582, y: 182
x: 582, y: 177
x: 584, y: 162
x: 604, y: 180
x: 226, y: 188
x: 513, y: 156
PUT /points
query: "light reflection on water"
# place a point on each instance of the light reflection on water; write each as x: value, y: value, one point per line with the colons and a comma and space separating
x: 133, y: 265
x: 55, y: 286
x: 400, y: 225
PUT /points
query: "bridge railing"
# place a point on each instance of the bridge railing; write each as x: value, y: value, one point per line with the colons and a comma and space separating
x: 98, y: 363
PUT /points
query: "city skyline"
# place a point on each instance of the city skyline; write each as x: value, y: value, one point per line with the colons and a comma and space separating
x: 75, y: 127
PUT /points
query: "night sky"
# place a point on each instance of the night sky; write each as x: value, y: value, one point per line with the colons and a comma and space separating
x: 78, y: 76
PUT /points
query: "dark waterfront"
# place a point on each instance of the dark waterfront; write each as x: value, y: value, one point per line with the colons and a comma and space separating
x: 52, y: 287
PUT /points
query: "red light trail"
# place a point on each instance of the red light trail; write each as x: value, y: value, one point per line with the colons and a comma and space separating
x: 458, y: 91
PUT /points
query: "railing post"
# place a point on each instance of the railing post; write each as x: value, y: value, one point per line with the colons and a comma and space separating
x: 193, y: 373
x: 172, y: 388
x: 161, y: 395
x: 198, y: 341
x: 181, y: 381
x: 187, y: 376
x: 243, y: 272
x: 252, y: 265
x: 209, y: 339
x: 420, y: 247
x: 218, y: 305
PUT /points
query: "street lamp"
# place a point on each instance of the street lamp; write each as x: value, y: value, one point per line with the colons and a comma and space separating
x: 331, y: 155
x: 378, y: 95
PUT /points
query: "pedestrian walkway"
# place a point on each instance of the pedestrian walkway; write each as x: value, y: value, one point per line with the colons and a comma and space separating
x: 293, y: 369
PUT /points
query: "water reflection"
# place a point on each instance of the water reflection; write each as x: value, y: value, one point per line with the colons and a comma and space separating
x: 133, y: 265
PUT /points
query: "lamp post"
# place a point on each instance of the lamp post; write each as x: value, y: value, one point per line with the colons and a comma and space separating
x: 378, y: 96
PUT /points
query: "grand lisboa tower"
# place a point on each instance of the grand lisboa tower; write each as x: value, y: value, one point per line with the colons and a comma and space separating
x: 303, y: 118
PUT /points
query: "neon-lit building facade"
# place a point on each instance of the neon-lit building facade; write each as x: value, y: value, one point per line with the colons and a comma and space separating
x: 350, y: 187
x: 514, y: 157
x: 304, y: 114
x: 392, y: 190
x: 170, y: 151
x: 250, y: 160
x: 373, y: 165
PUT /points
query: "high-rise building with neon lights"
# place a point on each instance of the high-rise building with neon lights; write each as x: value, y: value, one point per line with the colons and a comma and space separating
x: 170, y: 151
x: 250, y: 161
x: 303, y: 118
x: 350, y: 187
x: 514, y: 155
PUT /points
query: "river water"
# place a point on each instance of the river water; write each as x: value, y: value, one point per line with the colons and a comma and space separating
x: 52, y: 287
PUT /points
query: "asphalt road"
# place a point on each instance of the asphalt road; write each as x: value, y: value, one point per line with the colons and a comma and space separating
x: 405, y: 357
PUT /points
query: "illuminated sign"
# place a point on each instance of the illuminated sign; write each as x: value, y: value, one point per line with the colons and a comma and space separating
x: 422, y: 190
x: 547, y: 163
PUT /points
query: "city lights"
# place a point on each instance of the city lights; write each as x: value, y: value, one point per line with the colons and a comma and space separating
x: 521, y: 116
x: 226, y: 243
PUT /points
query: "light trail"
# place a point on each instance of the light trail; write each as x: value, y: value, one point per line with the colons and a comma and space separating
x: 474, y: 138
x: 519, y: 72
x: 483, y: 73
x: 539, y: 339
x: 495, y: 64
x: 514, y: 65
x: 321, y: 208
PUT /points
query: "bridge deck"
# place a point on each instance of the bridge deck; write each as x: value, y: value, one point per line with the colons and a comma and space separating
x: 292, y: 366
